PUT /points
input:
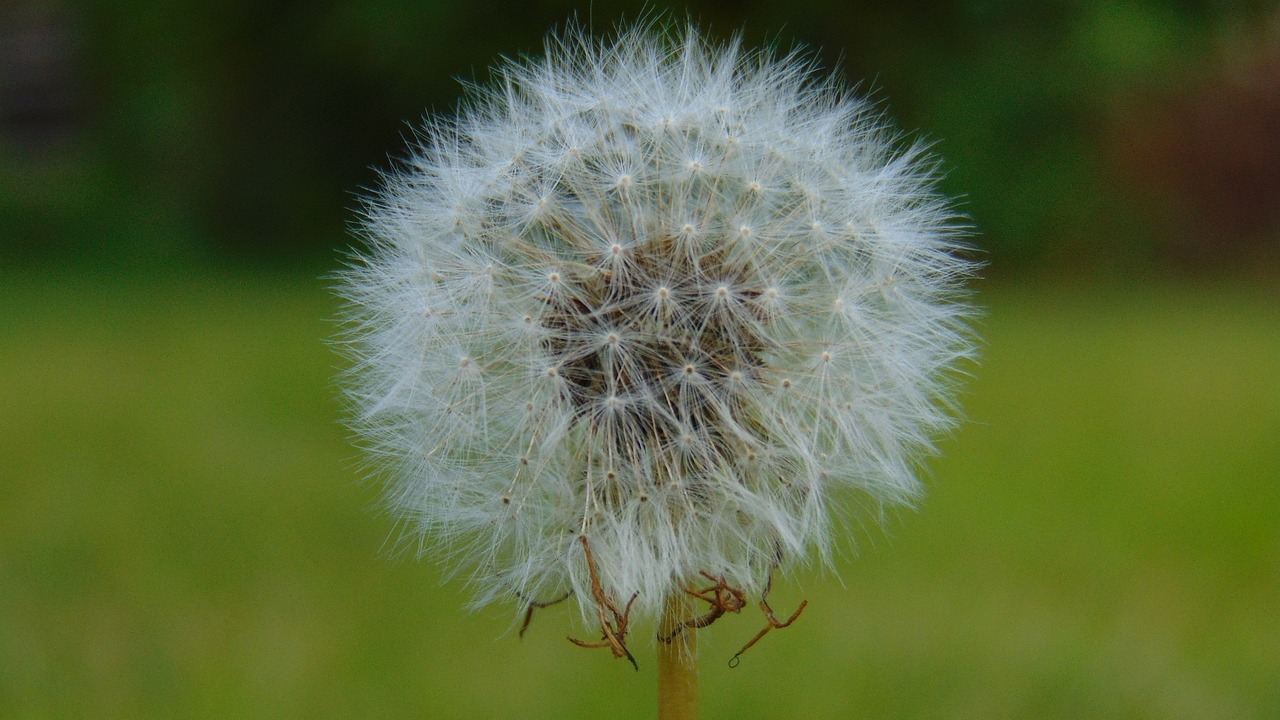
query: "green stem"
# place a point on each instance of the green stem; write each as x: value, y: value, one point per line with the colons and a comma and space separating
x: 677, y: 663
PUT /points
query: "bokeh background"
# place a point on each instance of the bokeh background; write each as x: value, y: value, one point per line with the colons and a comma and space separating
x: 184, y: 529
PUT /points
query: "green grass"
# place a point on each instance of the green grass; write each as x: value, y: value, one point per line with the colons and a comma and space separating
x: 183, y: 532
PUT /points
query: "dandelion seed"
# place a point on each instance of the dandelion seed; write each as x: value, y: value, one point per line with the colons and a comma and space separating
x: 673, y: 299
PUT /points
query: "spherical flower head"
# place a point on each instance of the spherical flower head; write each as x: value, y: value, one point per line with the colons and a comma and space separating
x: 679, y: 299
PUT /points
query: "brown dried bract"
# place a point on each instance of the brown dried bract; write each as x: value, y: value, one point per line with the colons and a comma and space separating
x: 538, y: 605
x: 613, y: 635
x: 773, y: 620
x: 722, y: 597
x: 725, y: 598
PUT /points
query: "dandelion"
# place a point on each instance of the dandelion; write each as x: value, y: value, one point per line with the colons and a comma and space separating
x: 636, y: 322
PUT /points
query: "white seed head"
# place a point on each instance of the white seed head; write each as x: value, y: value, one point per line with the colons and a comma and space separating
x: 645, y: 328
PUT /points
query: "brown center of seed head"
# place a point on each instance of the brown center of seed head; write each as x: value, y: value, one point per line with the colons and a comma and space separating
x: 652, y: 353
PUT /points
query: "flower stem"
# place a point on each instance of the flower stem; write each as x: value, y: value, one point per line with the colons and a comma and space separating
x: 677, y: 668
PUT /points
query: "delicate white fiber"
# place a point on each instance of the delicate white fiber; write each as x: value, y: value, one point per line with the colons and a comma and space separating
x: 680, y: 298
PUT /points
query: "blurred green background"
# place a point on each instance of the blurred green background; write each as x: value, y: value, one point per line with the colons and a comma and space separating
x: 183, y: 528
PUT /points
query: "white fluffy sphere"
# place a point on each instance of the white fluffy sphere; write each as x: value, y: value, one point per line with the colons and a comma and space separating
x: 678, y: 298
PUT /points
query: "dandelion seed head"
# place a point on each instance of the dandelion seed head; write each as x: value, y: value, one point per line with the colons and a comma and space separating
x: 645, y: 325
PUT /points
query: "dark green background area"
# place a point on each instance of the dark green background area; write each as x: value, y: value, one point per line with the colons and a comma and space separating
x: 1081, y: 136
x: 187, y: 532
